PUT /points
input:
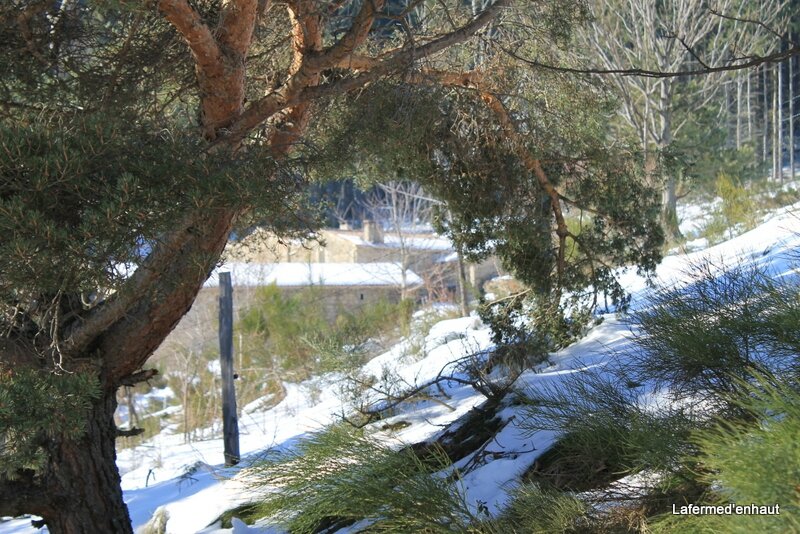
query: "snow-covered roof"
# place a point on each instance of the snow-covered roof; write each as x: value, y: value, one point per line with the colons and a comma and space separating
x: 304, y: 274
x: 420, y: 242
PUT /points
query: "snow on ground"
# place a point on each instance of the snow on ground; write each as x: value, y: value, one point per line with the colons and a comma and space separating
x: 693, y: 218
x: 148, y: 403
x: 188, y: 478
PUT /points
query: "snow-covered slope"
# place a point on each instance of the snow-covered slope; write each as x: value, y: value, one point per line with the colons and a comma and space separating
x: 190, y: 482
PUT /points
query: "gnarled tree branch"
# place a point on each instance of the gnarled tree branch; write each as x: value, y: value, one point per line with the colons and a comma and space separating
x: 236, y: 23
x: 183, y: 266
x: 196, y: 33
x: 355, y: 36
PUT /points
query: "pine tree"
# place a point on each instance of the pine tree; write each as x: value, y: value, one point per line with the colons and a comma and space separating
x: 136, y: 136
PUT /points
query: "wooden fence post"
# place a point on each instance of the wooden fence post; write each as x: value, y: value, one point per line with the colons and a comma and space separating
x: 230, y: 422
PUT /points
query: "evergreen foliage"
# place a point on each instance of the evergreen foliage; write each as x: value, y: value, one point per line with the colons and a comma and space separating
x: 89, y: 57
x: 751, y: 461
x: 293, y: 333
x: 734, y: 441
x: 527, y: 328
x: 101, y: 164
x: 84, y: 198
x: 701, y: 339
x: 103, y: 171
x: 35, y: 405
x: 340, y: 476
x: 736, y: 213
x: 98, y: 163
x: 533, y: 510
x: 453, y: 145
x: 608, y: 430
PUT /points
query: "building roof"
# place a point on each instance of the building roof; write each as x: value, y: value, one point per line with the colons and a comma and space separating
x: 306, y: 274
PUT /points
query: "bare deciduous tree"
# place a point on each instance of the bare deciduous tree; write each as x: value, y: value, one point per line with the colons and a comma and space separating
x: 671, y: 36
x: 403, y: 209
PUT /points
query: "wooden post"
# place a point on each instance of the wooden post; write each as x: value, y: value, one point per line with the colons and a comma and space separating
x: 791, y: 118
x: 779, y: 120
x: 230, y: 423
x: 462, y: 283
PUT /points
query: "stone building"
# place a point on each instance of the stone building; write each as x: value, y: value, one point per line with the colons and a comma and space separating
x: 429, y: 256
x: 339, y: 286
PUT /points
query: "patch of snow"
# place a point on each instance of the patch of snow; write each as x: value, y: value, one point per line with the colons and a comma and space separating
x: 415, y: 242
x: 694, y: 217
x: 448, y: 258
x: 409, y: 240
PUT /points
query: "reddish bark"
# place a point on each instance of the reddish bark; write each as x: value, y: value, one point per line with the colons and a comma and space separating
x: 78, y: 491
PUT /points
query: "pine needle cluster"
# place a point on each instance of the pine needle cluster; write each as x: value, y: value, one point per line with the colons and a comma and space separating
x: 341, y: 476
x: 35, y: 405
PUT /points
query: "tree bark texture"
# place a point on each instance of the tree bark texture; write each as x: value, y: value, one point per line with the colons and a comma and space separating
x: 765, y: 114
x: 779, y: 121
x: 776, y: 171
x: 78, y: 491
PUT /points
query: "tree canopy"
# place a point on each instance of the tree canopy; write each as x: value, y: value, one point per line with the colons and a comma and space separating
x: 136, y: 136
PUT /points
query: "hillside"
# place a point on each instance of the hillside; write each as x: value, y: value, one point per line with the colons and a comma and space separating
x: 189, y: 482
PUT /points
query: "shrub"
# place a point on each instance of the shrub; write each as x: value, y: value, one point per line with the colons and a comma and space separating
x: 752, y: 461
x: 292, y: 334
x: 534, y: 510
x: 344, y: 344
x: 528, y: 327
x: 277, y: 321
x: 607, y: 431
x: 737, y: 209
x: 701, y: 340
x: 340, y: 477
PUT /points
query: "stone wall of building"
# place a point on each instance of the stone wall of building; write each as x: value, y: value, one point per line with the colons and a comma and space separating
x: 340, y: 246
x: 337, y: 299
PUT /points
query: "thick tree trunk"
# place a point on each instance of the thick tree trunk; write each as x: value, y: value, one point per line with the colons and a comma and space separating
x: 779, y: 120
x: 749, y: 108
x: 776, y: 170
x: 82, y: 480
x: 738, y: 111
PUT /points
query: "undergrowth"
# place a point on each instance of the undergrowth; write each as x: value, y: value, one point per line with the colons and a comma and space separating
x: 340, y: 477
x: 752, y: 461
x: 707, y: 413
x: 292, y: 333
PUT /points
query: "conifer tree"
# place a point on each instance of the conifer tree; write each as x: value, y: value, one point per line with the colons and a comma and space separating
x: 135, y: 136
